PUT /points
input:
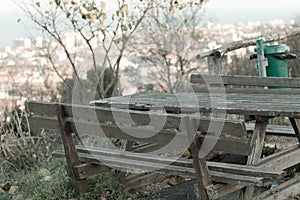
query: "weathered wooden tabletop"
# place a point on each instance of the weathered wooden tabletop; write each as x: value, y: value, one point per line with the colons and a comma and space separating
x: 233, y: 103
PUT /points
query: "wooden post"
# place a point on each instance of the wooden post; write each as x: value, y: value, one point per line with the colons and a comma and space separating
x: 215, y: 65
x: 257, y: 143
x: 128, y: 146
x: 296, y: 126
x: 70, y: 151
x: 203, y: 176
x: 211, y: 65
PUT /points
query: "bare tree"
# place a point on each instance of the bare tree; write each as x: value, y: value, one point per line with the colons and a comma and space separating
x: 170, y: 46
x: 99, y: 29
x: 293, y: 43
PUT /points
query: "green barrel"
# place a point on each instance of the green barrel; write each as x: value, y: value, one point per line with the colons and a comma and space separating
x: 276, y: 67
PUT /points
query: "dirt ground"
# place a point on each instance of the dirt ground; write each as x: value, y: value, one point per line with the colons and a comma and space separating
x: 182, y: 191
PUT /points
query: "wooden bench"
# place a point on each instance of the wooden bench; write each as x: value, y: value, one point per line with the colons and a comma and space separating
x: 245, y: 84
x: 215, y: 179
x: 260, y: 85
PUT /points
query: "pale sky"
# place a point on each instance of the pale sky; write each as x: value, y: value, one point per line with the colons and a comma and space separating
x: 233, y: 11
x: 10, y: 27
x: 219, y: 11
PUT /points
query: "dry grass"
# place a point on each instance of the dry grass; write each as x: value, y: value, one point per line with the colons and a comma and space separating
x: 18, y: 148
x: 22, y: 155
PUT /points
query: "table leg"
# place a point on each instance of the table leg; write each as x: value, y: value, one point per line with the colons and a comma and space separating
x: 257, y: 143
x: 203, y: 176
x: 296, y: 126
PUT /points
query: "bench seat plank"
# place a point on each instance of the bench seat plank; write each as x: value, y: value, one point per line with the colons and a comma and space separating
x: 215, y: 166
x: 272, y: 129
x: 282, y: 159
x: 284, y: 191
x: 127, y: 164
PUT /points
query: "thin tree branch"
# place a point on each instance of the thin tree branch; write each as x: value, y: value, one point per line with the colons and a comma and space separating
x: 221, y: 51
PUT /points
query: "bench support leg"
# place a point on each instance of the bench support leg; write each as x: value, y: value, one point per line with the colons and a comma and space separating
x: 257, y: 143
x: 70, y: 151
x: 202, y: 173
x: 296, y: 126
x: 203, y: 176
x: 127, y: 147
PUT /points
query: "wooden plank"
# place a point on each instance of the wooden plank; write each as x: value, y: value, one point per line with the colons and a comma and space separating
x: 43, y: 123
x: 211, y: 89
x: 128, y: 164
x: 239, y: 179
x: 272, y: 129
x: 273, y: 105
x: 70, y: 151
x: 42, y: 108
x: 148, y: 147
x: 163, y: 136
x: 143, y: 134
x: 84, y: 126
x: 202, y: 173
x: 246, y: 80
x: 237, y: 135
x: 127, y: 146
x: 282, y: 159
x: 246, y: 170
x: 296, y: 126
x: 286, y: 190
x: 103, y: 115
x: 140, y: 118
x: 257, y: 144
x: 239, y: 145
x: 84, y: 170
x: 125, y: 164
x: 116, y: 153
x: 215, y: 166
x: 258, y: 140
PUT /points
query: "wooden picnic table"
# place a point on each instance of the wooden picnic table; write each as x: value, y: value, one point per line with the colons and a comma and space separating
x: 268, y: 105
x: 261, y: 106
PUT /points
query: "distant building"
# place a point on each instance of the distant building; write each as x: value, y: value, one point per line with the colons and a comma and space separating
x: 39, y: 42
x: 22, y: 42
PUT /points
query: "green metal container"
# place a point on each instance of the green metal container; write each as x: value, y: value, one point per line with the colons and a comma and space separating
x: 276, y: 67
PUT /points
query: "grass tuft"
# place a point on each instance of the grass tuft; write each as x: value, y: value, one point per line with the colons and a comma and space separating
x: 33, y: 187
